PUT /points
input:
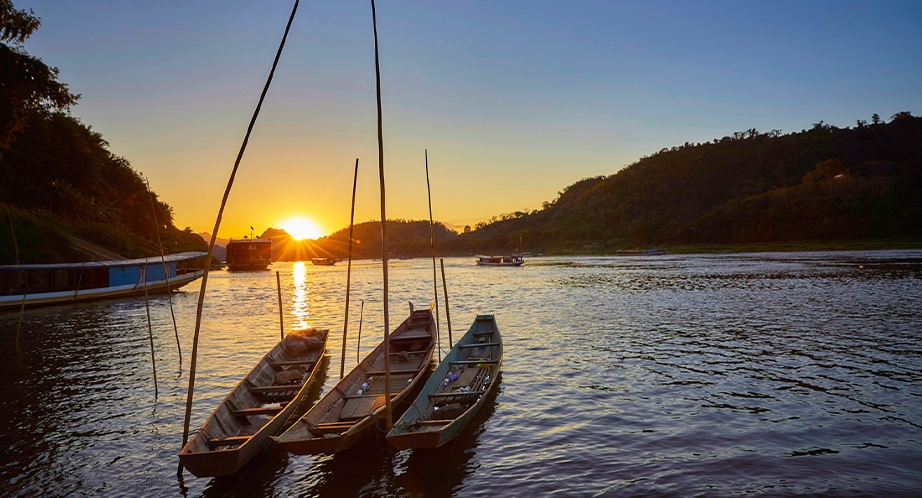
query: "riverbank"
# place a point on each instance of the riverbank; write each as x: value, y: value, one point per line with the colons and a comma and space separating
x: 794, y: 246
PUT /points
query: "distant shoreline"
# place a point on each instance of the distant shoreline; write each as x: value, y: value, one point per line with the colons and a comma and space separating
x: 797, y: 246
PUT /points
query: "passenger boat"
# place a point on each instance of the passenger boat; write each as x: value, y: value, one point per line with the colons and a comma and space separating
x: 249, y: 254
x: 349, y: 411
x: 455, y: 392
x: 323, y: 261
x: 504, y: 260
x: 641, y: 252
x: 257, y: 407
x: 44, y: 284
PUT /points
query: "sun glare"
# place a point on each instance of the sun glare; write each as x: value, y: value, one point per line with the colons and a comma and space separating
x: 301, y: 228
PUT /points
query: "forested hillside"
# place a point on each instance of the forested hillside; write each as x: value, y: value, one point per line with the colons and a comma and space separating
x: 825, y: 183
x: 57, y: 176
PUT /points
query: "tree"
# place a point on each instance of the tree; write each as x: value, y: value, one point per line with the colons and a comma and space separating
x: 875, y: 118
x: 27, y: 85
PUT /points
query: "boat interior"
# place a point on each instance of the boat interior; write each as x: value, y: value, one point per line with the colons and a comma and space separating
x: 266, y: 390
x: 364, y: 390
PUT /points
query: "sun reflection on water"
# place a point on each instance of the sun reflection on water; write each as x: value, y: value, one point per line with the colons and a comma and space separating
x: 300, y: 304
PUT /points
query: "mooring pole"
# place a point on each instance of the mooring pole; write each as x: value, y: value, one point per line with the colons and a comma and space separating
x: 447, y: 313
x: 387, y: 354
x: 435, y: 280
x: 278, y: 284
x: 355, y: 182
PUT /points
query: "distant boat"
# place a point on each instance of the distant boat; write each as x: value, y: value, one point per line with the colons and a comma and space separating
x: 504, y: 260
x: 45, y: 284
x: 249, y: 254
x: 257, y: 407
x: 644, y: 252
x: 455, y: 392
x: 323, y: 261
x: 351, y: 409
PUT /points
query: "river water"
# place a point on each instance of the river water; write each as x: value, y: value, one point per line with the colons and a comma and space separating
x: 770, y: 373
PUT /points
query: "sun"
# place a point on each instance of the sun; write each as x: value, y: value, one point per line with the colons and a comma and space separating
x: 301, y: 228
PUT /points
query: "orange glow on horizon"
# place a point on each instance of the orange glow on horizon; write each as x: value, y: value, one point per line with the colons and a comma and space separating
x: 301, y: 228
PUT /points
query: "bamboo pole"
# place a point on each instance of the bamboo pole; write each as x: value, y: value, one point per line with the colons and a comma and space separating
x: 214, y: 236
x: 9, y: 215
x: 25, y: 292
x: 80, y: 279
x: 435, y: 280
x: 358, y: 344
x: 22, y: 310
x: 447, y: 313
x: 355, y: 182
x: 150, y: 330
x: 166, y: 272
x: 387, y: 354
x: 278, y: 282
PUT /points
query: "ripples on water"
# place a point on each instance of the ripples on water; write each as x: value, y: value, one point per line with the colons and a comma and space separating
x: 733, y: 374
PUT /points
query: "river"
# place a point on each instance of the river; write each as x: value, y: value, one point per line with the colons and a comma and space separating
x: 757, y: 374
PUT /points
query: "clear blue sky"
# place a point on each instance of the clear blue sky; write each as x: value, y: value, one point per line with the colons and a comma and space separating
x: 513, y: 100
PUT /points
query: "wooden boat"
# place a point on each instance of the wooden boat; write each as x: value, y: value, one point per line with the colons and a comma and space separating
x: 503, y: 260
x: 44, y: 284
x: 249, y: 254
x: 641, y: 252
x: 257, y: 407
x: 323, y: 261
x: 456, y: 390
x: 348, y: 412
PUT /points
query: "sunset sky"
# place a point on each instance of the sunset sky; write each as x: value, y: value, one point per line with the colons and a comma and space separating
x: 514, y: 101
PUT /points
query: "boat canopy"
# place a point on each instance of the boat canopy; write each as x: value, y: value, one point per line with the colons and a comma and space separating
x: 154, y: 260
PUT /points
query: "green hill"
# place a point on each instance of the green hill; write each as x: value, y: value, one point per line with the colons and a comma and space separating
x: 825, y: 183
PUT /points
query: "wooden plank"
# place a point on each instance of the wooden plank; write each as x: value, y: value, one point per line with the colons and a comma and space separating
x: 473, y: 362
x: 228, y: 441
x: 262, y: 410
x: 449, y: 395
x: 478, y: 345
x: 466, y: 378
x: 393, y: 372
x: 413, y: 335
x: 290, y: 363
x: 356, y: 408
x: 330, y: 428
x: 276, y: 389
x: 435, y: 422
x: 355, y: 396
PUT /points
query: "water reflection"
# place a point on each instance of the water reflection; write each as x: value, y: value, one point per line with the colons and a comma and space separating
x: 300, y: 303
x: 728, y: 374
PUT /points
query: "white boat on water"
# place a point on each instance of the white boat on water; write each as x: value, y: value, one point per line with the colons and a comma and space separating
x: 58, y: 283
x: 503, y: 260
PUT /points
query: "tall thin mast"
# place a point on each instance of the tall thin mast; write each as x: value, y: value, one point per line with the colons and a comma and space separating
x: 355, y: 182
x: 387, y: 326
x: 435, y: 281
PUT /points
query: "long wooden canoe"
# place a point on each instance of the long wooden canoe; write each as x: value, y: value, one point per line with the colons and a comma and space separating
x: 257, y: 407
x: 348, y: 412
x: 455, y: 391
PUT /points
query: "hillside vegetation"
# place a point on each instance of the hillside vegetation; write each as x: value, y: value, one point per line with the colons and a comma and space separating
x: 825, y: 183
x: 57, y: 176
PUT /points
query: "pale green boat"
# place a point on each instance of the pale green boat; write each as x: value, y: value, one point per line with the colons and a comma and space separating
x: 455, y: 391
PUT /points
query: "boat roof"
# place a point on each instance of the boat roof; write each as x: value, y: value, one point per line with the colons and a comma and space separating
x: 516, y: 255
x: 243, y: 241
x: 169, y: 258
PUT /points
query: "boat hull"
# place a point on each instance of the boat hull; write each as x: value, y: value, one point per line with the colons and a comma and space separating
x: 348, y: 413
x: 60, y: 283
x: 472, y: 358
x: 203, y: 456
